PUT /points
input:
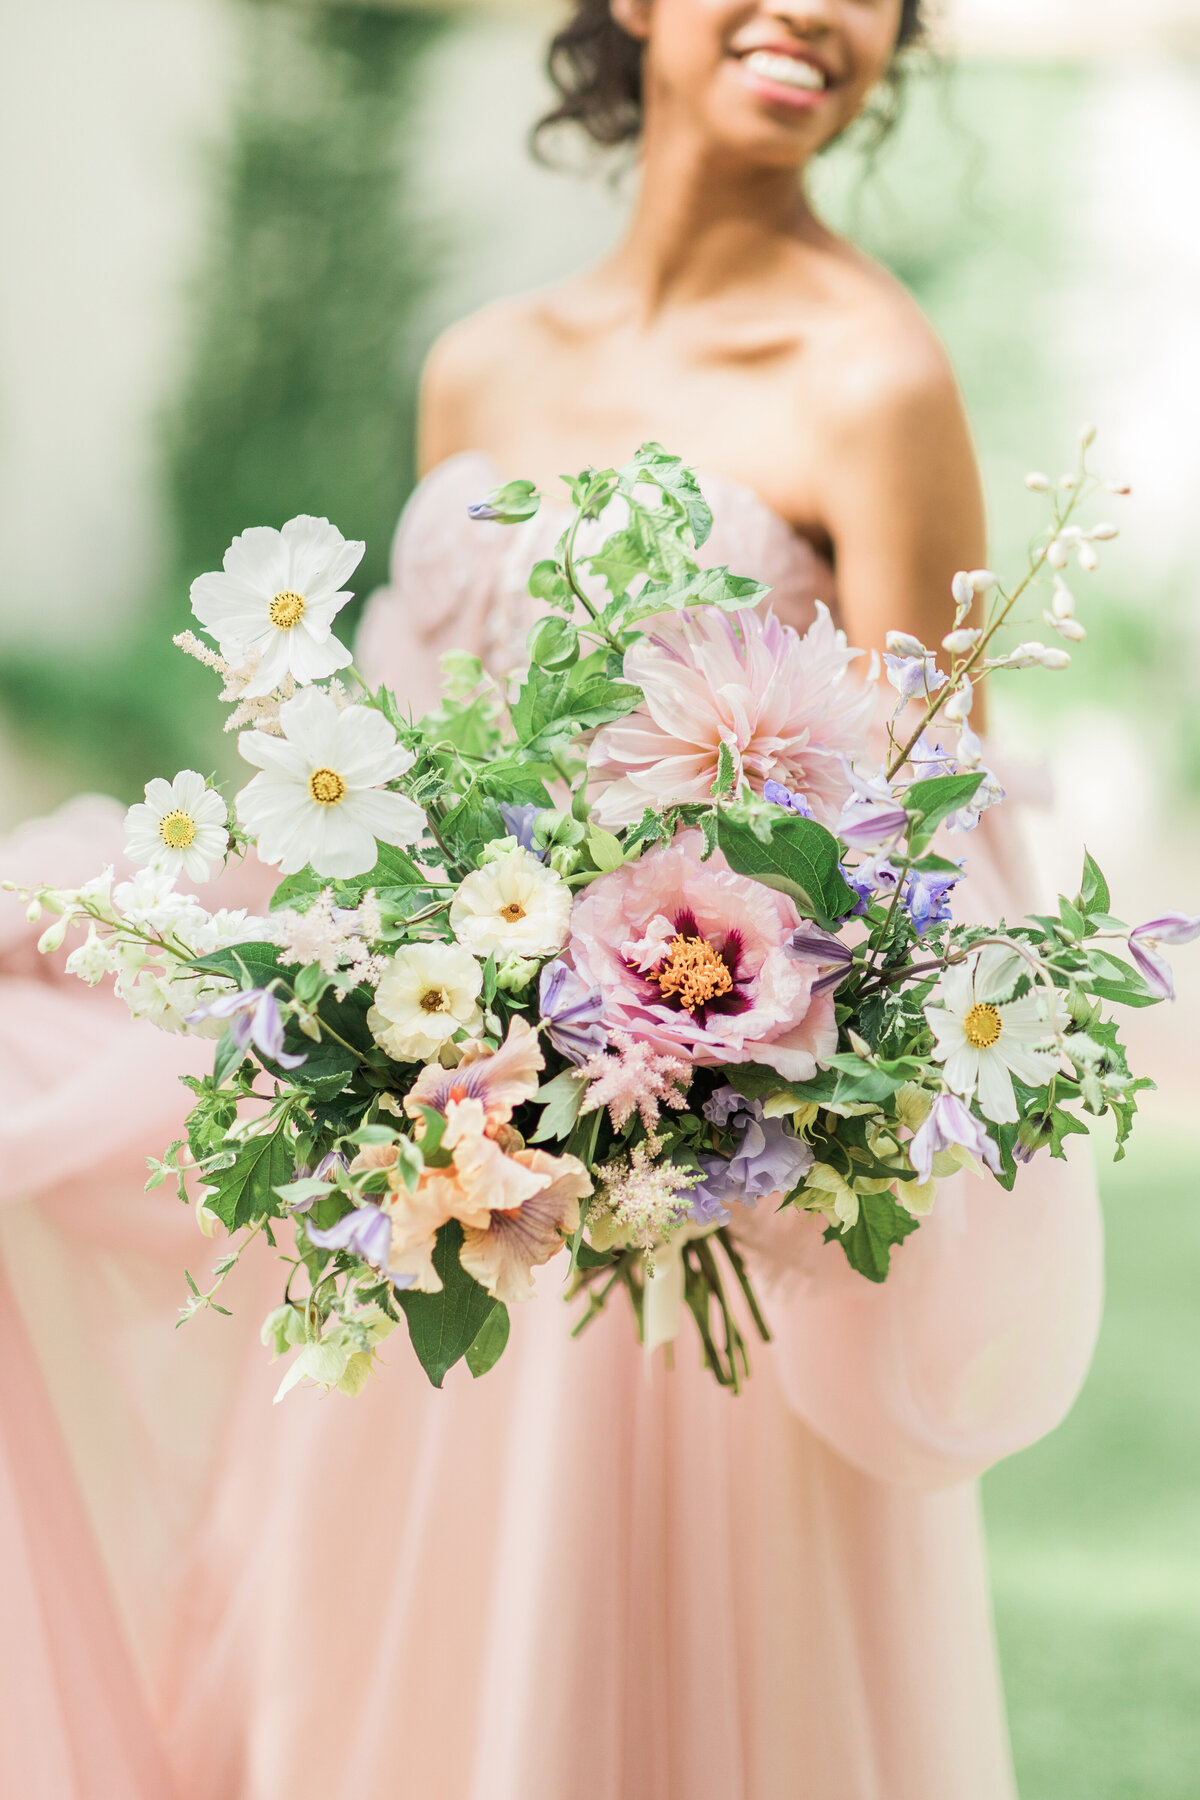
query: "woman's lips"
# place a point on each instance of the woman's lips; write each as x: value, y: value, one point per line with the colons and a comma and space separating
x: 784, y: 80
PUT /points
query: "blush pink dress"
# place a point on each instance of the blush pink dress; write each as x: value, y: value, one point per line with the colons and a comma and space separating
x: 578, y: 1579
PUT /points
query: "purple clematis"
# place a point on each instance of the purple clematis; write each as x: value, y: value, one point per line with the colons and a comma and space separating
x: 778, y: 795
x: 1171, y: 928
x: 926, y: 899
x: 769, y: 1159
x: 254, y: 1017
x: 572, y: 1011
x: 365, y: 1232
x: 948, y: 1124
x: 810, y: 944
x: 871, y: 827
x: 519, y: 823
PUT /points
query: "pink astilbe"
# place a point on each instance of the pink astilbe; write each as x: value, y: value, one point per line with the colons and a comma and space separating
x: 638, y: 1078
x: 337, y: 939
x: 647, y: 1200
x: 781, y: 704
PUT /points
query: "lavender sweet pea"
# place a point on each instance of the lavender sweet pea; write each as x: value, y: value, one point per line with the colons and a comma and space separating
x: 914, y: 675
x: 519, y: 823
x: 778, y: 795
x: 572, y: 1013
x: 769, y: 1159
x: 365, y: 1232
x: 254, y: 1017
x: 925, y: 898
x: 1170, y: 928
x: 950, y: 1123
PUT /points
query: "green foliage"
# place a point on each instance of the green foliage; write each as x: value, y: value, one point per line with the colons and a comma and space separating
x: 882, y: 1223
x: 489, y: 1342
x: 245, y: 1191
x: 928, y: 803
x: 797, y: 857
x: 555, y: 704
x: 444, y: 1326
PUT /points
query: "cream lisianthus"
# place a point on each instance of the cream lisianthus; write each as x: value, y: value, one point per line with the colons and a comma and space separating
x: 180, y: 826
x: 272, y: 609
x: 515, y: 906
x: 984, y: 1041
x: 321, y: 798
x: 426, y: 994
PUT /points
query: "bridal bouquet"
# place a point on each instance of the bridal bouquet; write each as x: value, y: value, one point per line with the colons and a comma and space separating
x: 584, y: 965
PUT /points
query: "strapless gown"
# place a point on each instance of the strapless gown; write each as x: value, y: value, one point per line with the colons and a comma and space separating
x: 578, y: 1579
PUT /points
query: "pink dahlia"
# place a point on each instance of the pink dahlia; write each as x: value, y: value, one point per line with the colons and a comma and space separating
x: 781, y: 703
x: 694, y: 960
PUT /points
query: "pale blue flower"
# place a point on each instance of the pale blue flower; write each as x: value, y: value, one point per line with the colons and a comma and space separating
x: 769, y: 1159
x: 365, y: 1232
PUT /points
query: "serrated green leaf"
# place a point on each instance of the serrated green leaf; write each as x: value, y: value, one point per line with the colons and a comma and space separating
x: 443, y: 1326
x: 246, y: 1190
x: 677, y: 482
x: 882, y: 1223
x: 725, y: 772
x: 487, y: 1347
x: 560, y: 1100
x: 800, y: 859
x: 249, y: 965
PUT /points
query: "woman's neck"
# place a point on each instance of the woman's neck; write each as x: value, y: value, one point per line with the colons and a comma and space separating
x: 702, y: 221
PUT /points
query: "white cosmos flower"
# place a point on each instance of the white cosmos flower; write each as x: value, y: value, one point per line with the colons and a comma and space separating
x: 983, y: 1042
x: 320, y: 798
x: 426, y: 994
x: 515, y: 906
x: 273, y: 608
x: 179, y: 826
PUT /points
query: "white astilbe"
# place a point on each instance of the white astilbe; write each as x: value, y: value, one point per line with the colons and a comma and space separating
x: 646, y: 1200
x: 261, y: 711
x: 337, y: 939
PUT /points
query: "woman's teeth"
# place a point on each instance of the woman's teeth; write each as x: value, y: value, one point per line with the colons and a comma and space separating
x: 787, y: 71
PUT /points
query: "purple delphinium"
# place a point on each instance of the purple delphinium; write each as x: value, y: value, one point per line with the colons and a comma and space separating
x: 572, y: 1012
x: 925, y: 896
x: 1170, y: 928
x: 867, y: 827
x: 913, y: 675
x: 769, y: 1159
x: 254, y: 1017
x: 365, y: 1232
x: 950, y: 1123
x: 519, y: 822
x: 870, y: 878
x: 929, y: 759
x: 778, y: 795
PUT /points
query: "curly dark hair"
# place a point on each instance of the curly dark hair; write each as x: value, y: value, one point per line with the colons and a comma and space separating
x: 596, y: 67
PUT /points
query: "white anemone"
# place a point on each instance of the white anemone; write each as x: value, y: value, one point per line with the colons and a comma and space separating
x: 515, y: 906
x: 984, y: 1043
x: 426, y: 994
x: 179, y: 826
x: 320, y: 798
x: 272, y: 610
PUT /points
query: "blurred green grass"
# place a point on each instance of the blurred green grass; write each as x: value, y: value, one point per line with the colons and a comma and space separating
x: 1094, y: 1533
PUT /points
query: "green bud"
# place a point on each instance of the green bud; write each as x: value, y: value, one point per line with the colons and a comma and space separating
x: 515, y: 973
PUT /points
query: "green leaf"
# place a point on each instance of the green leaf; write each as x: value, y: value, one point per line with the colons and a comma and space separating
x: 676, y: 481
x: 1094, y: 896
x: 295, y: 890
x: 553, y: 643
x: 882, y: 1223
x: 444, y: 1326
x: 326, y: 1069
x: 512, y: 503
x: 487, y: 1347
x: 250, y: 965
x: 548, y: 582
x: 800, y: 859
x: 604, y: 849
x: 725, y: 772
x: 927, y: 803
x: 393, y: 868
x: 704, y: 587
x: 1073, y: 920
x: 229, y: 1056
x: 246, y: 1190
x: 560, y: 1100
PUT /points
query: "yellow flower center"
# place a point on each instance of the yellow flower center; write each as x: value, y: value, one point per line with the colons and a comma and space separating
x: 512, y: 912
x: 286, y: 609
x: 694, y: 971
x: 326, y: 787
x: 177, y: 830
x: 982, y: 1027
x: 433, y: 1000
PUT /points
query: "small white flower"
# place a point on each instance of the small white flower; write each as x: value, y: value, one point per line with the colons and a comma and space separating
x: 1056, y: 554
x: 958, y: 643
x: 320, y: 798
x: 515, y: 906
x: 1067, y: 627
x: 902, y: 643
x: 179, y: 826
x: 984, y: 1043
x: 1062, y: 605
x: 426, y: 993
x: 958, y: 707
x: 1037, y: 483
x: 92, y: 960
x: 273, y: 608
x: 1088, y: 561
x: 983, y: 580
x: 962, y: 589
x: 1103, y: 534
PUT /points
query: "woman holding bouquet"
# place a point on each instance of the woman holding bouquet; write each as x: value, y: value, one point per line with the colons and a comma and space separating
x: 584, y: 1577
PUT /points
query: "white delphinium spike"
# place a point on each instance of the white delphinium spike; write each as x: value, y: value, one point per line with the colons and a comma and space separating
x: 970, y: 750
x: 1087, y: 436
x: 1062, y: 605
x: 1103, y: 534
x: 962, y: 589
x: 958, y: 707
x: 983, y: 580
x: 1068, y: 483
x: 958, y: 643
x: 1066, y: 627
x: 902, y: 643
x: 1117, y: 487
x: 1037, y: 483
x: 1056, y: 554
x: 1087, y: 558
x: 1050, y: 658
